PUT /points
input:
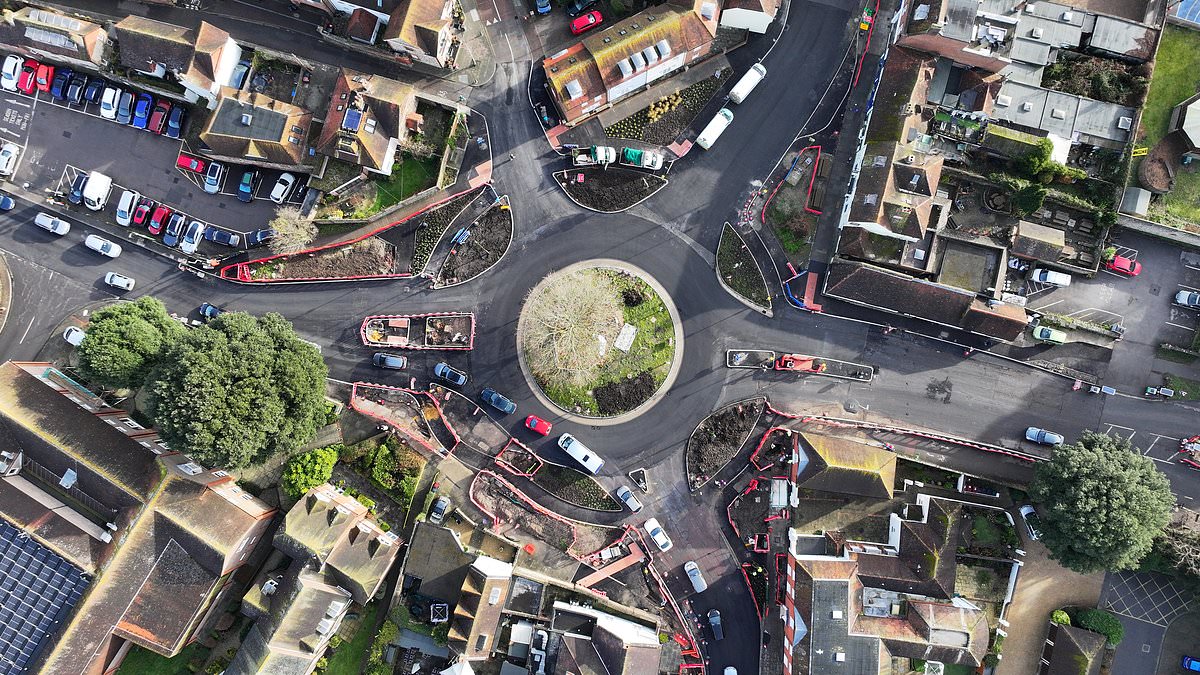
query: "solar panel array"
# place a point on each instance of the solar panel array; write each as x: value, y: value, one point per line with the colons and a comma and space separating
x: 38, y: 588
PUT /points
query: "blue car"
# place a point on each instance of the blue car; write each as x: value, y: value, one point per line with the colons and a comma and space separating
x: 175, y: 122
x: 174, y: 230
x: 58, y: 87
x: 543, y: 6
x: 75, y: 196
x: 1191, y: 664
x: 141, y: 111
x: 7, y: 203
x: 452, y: 375
x: 498, y: 401
x: 259, y: 237
x: 125, y: 108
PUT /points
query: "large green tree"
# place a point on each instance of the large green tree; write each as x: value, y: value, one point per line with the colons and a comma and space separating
x: 237, y: 390
x: 125, y: 341
x: 1102, y: 503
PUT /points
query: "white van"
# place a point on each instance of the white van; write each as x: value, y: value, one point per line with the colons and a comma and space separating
x: 580, y: 453
x: 715, y: 128
x: 95, y: 193
x: 1060, y: 279
x: 748, y: 82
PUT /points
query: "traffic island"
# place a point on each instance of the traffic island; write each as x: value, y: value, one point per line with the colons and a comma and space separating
x: 477, y: 247
x: 608, y: 189
x: 738, y: 271
x: 718, y: 438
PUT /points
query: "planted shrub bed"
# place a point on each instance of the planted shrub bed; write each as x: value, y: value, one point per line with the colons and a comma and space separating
x: 370, y: 256
x: 718, y: 438
x: 738, y: 269
x: 662, y: 121
x: 610, y: 190
x: 488, y: 241
x: 434, y: 224
x: 575, y: 487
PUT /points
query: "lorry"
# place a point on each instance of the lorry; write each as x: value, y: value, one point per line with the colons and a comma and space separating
x: 715, y: 128
x: 597, y: 155
x: 642, y: 159
x: 441, y: 330
x: 748, y: 82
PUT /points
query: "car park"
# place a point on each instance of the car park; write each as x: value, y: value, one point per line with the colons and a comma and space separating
x: 1187, y: 298
x: 11, y: 72
x: 1122, y: 265
x: 283, y: 188
x: 102, y: 246
x: 52, y: 224
x: 141, y: 111
x: 142, y: 213
x: 1051, y: 278
x: 174, y: 229
x: 9, y: 152
x: 580, y: 453
x: 259, y: 237
x: 1033, y: 523
x: 695, y: 576
x: 538, y: 425
x: 119, y: 281
x: 586, y: 22
x: 393, y: 361
x: 158, y: 118
x: 58, y: 88
x: 45, y: 77
x: 191, y: 237
x: 1047, y: 334
x: 75, y: 196
x: 74, y: 335
x: 714, y: 621
x: 437, y: 512
x: 76, y: 87
x: 1043, y: 437
x: 94, y: 91
x: 212, y: 177
x: 626, y: 495
x: 175, y: 122
x: 209, y: 311
x: 223, y: 237
x: 454, y: 376
x: 247, y: 185
x: 190, y: 163
x: 159, y: 220
x: 125, y: 108
x: 657, y: 535
x: 125, y: 206
x: 498, y: 401
x: 27, y: 80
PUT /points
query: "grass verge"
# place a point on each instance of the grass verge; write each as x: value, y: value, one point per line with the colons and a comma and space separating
x: 348, y: 658
x: 1185, y: 389
x: 1176, y: 75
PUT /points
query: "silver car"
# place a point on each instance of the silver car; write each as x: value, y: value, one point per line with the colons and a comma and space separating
x: 120, y: 281
x: 102, y: 246
x: 626, y: 495
x: 1188, y: 298
x: 8, y: 158
x: 695, y: 576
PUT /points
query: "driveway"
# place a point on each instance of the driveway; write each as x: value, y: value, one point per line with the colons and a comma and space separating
x: 1043, y: 586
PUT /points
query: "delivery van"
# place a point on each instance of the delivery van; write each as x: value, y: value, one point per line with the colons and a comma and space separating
x: 95, y: 193
x: 715, y: 128
x: 580, y: 453
x: 748, y: 82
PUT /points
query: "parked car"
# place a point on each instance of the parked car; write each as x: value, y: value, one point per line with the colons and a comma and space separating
x: 76, y: 87
x: 626, y: 495
x: 259, y: 237
x: 102, y: 246
x: 452, y: 375
x: 210, y: 312
x: 125, y: 206
x: 227, y: 238
x: 498, y: 401
x: 189, y: 163
x: 1032, y: 522
x: 74, y: 335
x: 730, y: 670
x: 191, y: 238
x: 1188, y: 298
x: 75, y: 195
x: 125, y: 108
x: 657, y: 535
x: 437, y: 512
x: 7, y: 203
x: 45, y: 77
x: 58, y: 87
x: 714, y: 620
x: 175, y: 122
x: 52, y: 224
x: 94, y: 91
x: 9, y: 152
x: 1046, y: 334
x: 159, y: 220
x: 11, y: 72
x: 1191, y: 664
x: 27, y: 80
x: 173, y: 229
x: 141, y: 111
x: 1122, y: 265
x: 238, y: 77
x: 1043, y: 437
x: 538, y: 425
x: 393, y: 361
x: 212, y: 177
x: 578, y: 7
x: 142, y: 213
x: 158, y: 118
x: 119, y: 281
x: 695, y: 576
x: 543, y: 6
x: 586, y: 22
x: 1051, y: 278
x: 247, y: 185
x: 283, y: 188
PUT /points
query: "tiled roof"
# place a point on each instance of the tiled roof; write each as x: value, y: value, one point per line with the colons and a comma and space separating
x: 681, y: 30
x: 417, y: 22
x: 575, y: 66
x: 1072, y: 651
x: 210, y: 43
x: 926, y: 562
x: 765, y: 6
x: 921, y: 179
x: 1004, y: 321
x: 379, y: 107
x: 362, y: 25
x: 1038, y: 242
x: 362, y: 558
x: 168, y: 596
x: 436, y: 558
x: 318, y: 522
x: 80, y: 39
x: 871, y: 285
x: 146, y: 42
x: 845, y: 466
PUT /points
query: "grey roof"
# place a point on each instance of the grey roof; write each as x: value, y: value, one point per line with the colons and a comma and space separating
x: 830, y: 636
x: 1136, y: 201
x: 1071, y: 651
x: 1100, y: 119
x: 1119, y: 36
x: 1026, y: 73
x: 1030, y: 51
x: 265, y: 124
x: 1051, y: 32
x: 1062, y: 114
x: 435, y: 557
x: 960, y: 19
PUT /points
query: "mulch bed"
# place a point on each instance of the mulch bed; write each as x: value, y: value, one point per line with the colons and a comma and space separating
x: 1155, y: 172
x: 574, y: 487
x: 719, y: 437
x: 434, y: 223
x: 489, y: 240
x: 739, y: 270
x: 370, y: 256
x: 610, y: 190
x: 618, y: 397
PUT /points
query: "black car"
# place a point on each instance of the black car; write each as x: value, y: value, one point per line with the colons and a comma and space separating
x: 75, y: 88
x: 125, y: 108
x: 578, y: 7
x: 58, y: 87
x: 94, y: 90
x: 174, y: 229
x: 259, y: 237
x: 75, y: 196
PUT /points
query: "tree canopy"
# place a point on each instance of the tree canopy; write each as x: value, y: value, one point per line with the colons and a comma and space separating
x: 1102, y: 503
x: 125, y: 341
x: 309, y: 469
x: 293, y: 231
x: 237, y: 390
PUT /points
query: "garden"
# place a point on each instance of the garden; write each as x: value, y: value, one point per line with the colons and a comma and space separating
x: 665, y: 119
x: 487, y: 240
x: 739, y: 270
x: 1098, y: 78
x: 574, y: 487
x: 792, y: 223
x: 608, y: 189
x: 410, y: 175
x: 987, y: 532
x: 515, y: 518
x: 597, y: 341
x: 717, y: 439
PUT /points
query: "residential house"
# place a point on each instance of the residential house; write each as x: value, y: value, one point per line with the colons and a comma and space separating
x: 475, y: 623
x: 594, y: 642
x: 201, y: 60
x: 107, y: 501
x: 363, y: 25
x: 254, y: 128
x: 753, y: 15
x: 1071, y: 651
x: 628, y: 56
x: 369, y: 116
x: 59, y: 37
x: 330, y: 553
x: 421, y: 30
x: 835, y: 464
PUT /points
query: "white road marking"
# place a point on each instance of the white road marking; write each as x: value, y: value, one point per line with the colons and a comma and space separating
x: 1169, y: 438
x: 1118, y: 426
x: 1045, y: 307
x: 26, y: 333
x: 1178, y: 326
x: 1188, y: 287
x: 1151, y: 446
x: 10, y: 132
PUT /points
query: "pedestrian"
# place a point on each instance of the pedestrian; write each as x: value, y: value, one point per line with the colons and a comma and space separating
x: 511, y: 156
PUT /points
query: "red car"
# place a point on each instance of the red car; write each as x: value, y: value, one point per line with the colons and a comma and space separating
x: 45, y: 77
x: 190, y: 163
x: 586, y: 22
x: 159, y: 219
x: 158, y: 118
x: 538, y: 425
x: 27, y: 82
x: 142, y: 212
x: 1122, y: 265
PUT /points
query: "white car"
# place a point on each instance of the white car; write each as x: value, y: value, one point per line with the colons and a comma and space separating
x: 109, y: 102
x: 125, y: 207
x: 51, y: 224
x: 1033, y: 524
x: 118, y: 281
x: 283, y: 188
x: 660, y: 538
x: 102, y: 246
x: 74, y: 335
x: 8, y: 158
x: 12, y: 70
x: 1188, y: 298
x: 695, y: 576
x: 191, y: 238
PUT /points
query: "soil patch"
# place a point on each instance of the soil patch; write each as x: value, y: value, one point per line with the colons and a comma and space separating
x: 617, y: 397
x: 434, y: 223
x: 1157, y: 171
x: 739, y: 270
x: 487, y: 242
x: 609, y: 190
x: 662, y: 121
x: 574, y: 487
x: 718, y: 438
x: 511, y: 507
x: 371, y: 256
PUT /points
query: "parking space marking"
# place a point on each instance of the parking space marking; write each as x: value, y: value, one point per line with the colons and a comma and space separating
x: 1046, y: 307
x: 1178, y: 326
x: 1185, y: 286
x: 1087, y: 313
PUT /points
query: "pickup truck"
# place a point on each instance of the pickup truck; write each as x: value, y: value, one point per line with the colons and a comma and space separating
x: 597, y: 155
x: 643, y: 159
